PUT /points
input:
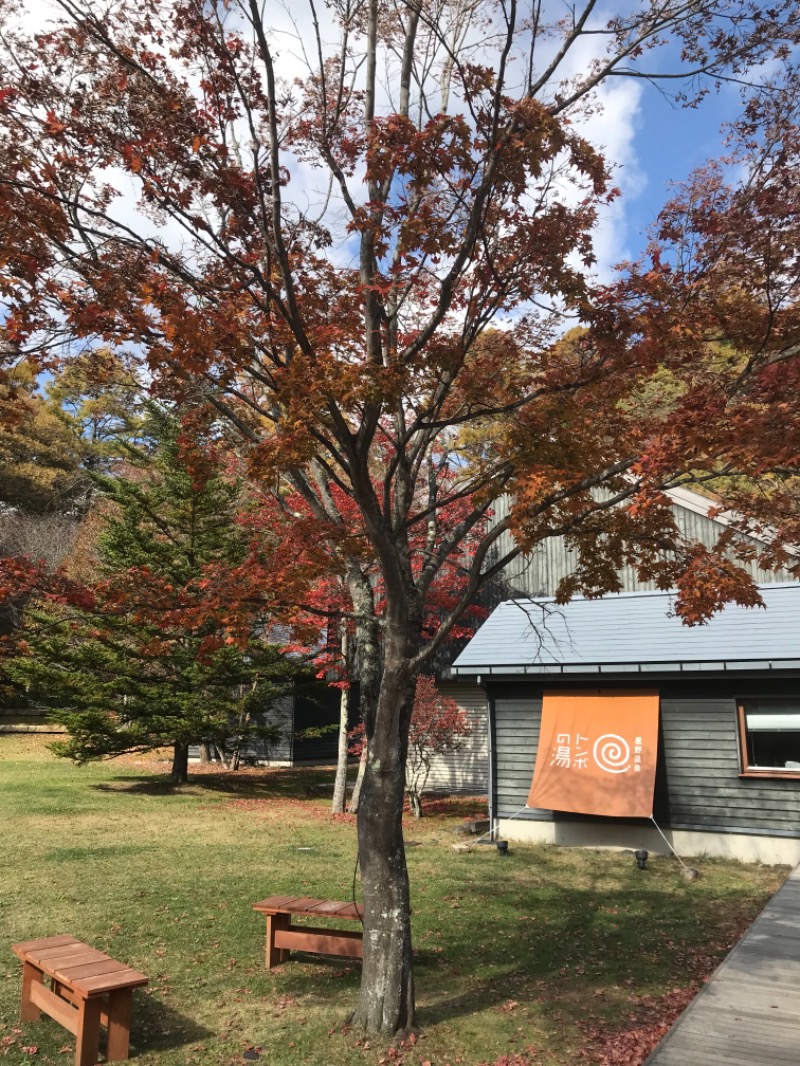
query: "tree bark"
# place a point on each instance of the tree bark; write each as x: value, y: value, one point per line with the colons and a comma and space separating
x: 367, y: 656
x: 386, y: 1000
x: 355, y: 797
x: 180, y: 764
x: 340, y: 781
x: 205, y: 753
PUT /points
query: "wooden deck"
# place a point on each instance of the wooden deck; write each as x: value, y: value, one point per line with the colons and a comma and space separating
x: 749, y: 1012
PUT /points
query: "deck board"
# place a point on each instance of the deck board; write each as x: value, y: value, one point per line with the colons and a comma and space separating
x: 748, y: 1014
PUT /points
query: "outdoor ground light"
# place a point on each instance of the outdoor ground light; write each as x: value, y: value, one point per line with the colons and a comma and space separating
x: 641, y: 858
x: 502, y: 847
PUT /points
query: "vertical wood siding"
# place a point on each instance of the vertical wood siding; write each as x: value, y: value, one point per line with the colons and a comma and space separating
x: 697, y: 784
x: 540, y: 573
x: 701, y: 747
x: 516, y: 736
x: 466, y: 770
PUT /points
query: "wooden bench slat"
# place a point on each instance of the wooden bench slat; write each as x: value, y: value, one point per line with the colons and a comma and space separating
x: 353, y: 911
x: 94, y: 968
x: 274, y: 903
x: 64, y: 951
x: 306, y: 905
x: 25, y: 946
x: 301, y: 904
x: 58, y: 965
x: 324, y: 941
x: 330, y: 907
x: 96, y: 986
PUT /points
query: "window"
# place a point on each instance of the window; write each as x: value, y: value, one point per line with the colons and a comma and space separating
x: 769, y: 732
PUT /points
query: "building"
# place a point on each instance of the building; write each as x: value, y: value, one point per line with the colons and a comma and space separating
x: 726, y: 701
x: 538, y: 575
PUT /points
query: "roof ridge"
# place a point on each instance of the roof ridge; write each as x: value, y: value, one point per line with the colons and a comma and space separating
x: 641, y: 594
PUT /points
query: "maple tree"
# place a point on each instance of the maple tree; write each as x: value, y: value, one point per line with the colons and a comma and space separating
x: 715, y: 304
x: 328, y: 600
x: 152, y: 654
x: 438, y: 727
x: 321, y: 256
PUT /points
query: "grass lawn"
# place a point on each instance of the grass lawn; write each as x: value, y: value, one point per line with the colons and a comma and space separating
x: 546, y: 956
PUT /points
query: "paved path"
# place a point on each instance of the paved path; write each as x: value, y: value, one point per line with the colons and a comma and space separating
x: 748, y: 1014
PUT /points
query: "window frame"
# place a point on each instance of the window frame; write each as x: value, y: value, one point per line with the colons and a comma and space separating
x: 757, y: 771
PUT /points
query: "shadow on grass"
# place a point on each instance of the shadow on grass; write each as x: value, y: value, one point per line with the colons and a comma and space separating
x: 140, y: 786
x: 246, y: 783
x: 574, y: 955
x: 156, y: 1027
x: 299, y: 783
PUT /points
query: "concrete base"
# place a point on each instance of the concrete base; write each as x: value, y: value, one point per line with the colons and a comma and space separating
x: 746, y: 847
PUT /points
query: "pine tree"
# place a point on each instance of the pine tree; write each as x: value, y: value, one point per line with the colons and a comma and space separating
x: 153, y: 654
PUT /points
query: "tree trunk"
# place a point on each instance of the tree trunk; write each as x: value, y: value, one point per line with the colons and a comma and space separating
x: 355, y: 798
x: 367, y: 656
x: 340, y: 781
x: 386, y: 1000
x: 205, y: 753
x: 416, y: 780
x: 180, y: 764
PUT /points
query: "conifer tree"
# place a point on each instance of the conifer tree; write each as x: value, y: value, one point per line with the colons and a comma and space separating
x: 152, y: 654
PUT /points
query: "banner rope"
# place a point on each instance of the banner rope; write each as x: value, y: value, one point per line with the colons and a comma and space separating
x: 674, y: 852
x: 516, y: 814
x: 509, y: 819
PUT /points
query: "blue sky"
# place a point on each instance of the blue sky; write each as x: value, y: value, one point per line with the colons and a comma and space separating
x: 669, y: 142
x: 652, y: 141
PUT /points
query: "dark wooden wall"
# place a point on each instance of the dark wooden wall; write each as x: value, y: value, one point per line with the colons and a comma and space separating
x: 697, y: 780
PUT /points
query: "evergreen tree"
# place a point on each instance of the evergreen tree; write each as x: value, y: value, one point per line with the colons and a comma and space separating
x: 153, y: 653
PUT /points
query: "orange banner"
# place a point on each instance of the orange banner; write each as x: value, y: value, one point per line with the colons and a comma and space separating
x: 597, y: 753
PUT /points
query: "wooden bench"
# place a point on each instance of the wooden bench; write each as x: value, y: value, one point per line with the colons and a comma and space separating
x: 282, y: 936
x: 87, y: 989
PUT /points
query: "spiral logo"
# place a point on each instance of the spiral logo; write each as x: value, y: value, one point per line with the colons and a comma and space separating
x: 612, y: 753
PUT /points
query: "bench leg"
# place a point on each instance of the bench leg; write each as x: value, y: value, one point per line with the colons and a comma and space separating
x: 28, y: 1012
x: 276, y: 955
x: 88, y: 1045
x: 119, y: 1024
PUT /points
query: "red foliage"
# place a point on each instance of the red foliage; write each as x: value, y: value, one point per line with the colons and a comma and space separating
x: 438, y: 724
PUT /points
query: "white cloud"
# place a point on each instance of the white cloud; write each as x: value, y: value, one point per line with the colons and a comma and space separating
x: 611, y: 127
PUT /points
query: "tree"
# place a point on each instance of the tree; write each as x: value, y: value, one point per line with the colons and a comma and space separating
x: 438, y: 726
x: 152, y: 654
x: 344, y: 330
x: 328, y: 599
x: 40, y: 460
x: 52, y: 435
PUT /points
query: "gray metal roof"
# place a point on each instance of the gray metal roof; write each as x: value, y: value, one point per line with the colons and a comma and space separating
x: 634, y: 631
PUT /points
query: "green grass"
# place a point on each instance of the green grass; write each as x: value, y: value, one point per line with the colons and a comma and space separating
x: 531, y: 955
